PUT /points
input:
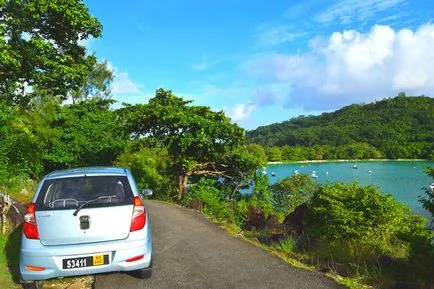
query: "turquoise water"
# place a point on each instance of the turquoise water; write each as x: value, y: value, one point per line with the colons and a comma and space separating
x: 402, y: 179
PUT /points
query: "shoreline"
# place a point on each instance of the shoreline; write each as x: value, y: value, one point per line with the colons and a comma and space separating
x: 344, y: 160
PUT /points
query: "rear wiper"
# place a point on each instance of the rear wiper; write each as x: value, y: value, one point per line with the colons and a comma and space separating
x: 87, y: 203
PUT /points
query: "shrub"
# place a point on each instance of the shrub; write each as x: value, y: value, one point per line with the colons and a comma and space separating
x: 363, y: 221
x: 208, y: 192
x: 292, y: 192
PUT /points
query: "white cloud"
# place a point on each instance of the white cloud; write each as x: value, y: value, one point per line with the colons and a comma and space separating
x: 347, y: 11
x: 272, y: 35
x: 241, y: 112
x: 354, y: 67
x: 122, y: 84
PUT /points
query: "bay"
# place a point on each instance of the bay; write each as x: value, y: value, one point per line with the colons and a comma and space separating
x: 405, y: 180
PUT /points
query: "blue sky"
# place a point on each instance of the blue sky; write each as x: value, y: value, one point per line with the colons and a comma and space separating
x: 267, y: 61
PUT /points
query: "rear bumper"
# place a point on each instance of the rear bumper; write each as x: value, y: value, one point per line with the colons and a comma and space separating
x: 50, y: 258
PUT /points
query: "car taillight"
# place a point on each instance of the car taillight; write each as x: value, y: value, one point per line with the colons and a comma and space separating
x: 29, y: 227
x: 138, y: 220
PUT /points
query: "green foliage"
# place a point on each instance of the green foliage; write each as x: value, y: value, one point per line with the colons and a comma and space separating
x: 200, y: 142
x: 20, y: 154
x: 401, y: 127
x: 87, y: 133
x: 292, y: 191
x: 97, y: 83
x: 150, y: 169
x: 274, y: 154
x: 207, y: 190
x: 259, y: 152
x: 428, y: 201
x: 364, y: 220
x: 287, y: 245
x: 40, y: 47
x: 262, y: 195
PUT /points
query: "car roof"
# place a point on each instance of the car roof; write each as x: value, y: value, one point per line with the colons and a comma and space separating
x: 94, y: 171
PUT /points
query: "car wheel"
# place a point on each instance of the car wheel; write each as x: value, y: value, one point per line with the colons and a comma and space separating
x: 33, y: 285
x: 145, y: 273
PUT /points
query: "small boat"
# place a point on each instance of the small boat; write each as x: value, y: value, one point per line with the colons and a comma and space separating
x: 313, y: 175
x: 273, y: 174
x: 327, y: 173
x: 369, y: 172
x: 296, y: 172
x: 355, y: 167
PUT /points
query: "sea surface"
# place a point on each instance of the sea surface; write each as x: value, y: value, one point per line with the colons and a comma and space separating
x: 405, y: 180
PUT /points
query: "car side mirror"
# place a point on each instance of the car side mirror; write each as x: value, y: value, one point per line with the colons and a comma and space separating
x: 147, y: 192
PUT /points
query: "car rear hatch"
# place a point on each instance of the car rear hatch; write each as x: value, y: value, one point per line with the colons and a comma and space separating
x: 84, y: 210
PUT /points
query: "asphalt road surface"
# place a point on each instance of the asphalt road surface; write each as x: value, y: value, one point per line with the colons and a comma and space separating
x: 191, y: 252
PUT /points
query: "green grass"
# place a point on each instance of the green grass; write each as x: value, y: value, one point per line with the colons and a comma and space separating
x: 287, y: 245
x: 9, y: 258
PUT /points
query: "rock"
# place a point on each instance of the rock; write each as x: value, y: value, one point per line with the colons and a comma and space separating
x: 11, y: 213
x: 255, y: 219
x: 196, y: 204
x: 272, y: 223
x: 297, y: 220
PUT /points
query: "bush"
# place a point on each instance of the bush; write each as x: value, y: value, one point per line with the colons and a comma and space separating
x: 211, y: 196
x: 292, y: 191
x: 363, y: 221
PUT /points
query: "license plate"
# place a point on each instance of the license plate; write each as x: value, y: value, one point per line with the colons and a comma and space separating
x: 88, y: 261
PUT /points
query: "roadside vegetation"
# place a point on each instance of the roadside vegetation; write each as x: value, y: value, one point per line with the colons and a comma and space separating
x: 199, y: 158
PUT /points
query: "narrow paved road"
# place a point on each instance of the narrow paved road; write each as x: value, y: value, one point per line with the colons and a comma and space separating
x: 191, y: 252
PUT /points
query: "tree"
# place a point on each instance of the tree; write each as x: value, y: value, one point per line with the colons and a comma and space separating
x: 274, y: 154
x: 87, y: 133
x: 40, y: 47
x: 97, y: 83
x: 259, y: 152
x: 200, y: 142
x: 20, y: 153
x: 150, y: 167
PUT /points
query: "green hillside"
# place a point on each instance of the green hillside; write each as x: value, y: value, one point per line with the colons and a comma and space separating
x: 400, y: 127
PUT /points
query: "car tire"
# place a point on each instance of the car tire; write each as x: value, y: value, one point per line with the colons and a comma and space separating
x: 145, y: 273
x: 33, y: 285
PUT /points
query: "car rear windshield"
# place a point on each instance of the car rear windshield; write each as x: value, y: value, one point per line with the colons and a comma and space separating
x: 97, y: 191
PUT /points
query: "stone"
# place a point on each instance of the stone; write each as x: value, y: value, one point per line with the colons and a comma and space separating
x: 297, y: 220
x: 255, y: 219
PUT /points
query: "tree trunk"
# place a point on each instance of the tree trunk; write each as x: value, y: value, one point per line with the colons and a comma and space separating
x: 182, y: 185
